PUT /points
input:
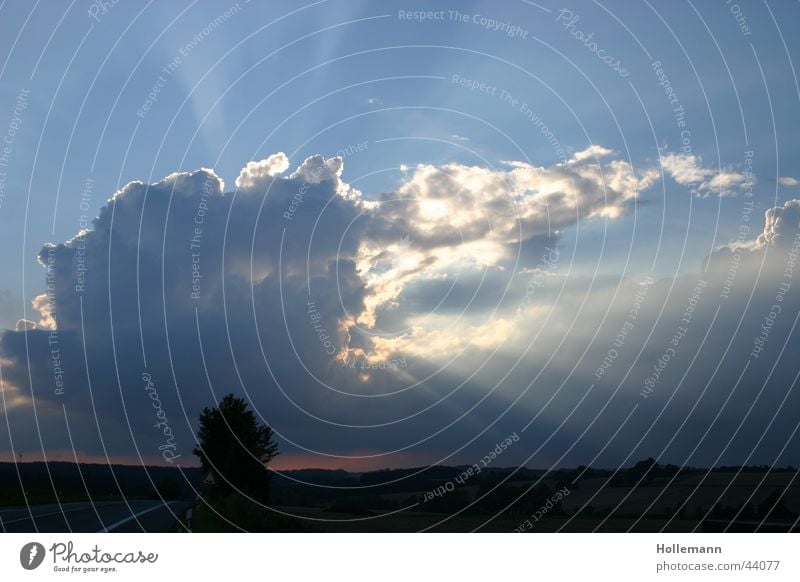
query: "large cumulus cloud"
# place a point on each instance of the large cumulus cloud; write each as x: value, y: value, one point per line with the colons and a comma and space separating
x: 362, y: 325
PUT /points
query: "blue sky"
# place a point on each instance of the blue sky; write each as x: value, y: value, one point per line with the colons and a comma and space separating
x: 138, y: 91
x: 95, y: 75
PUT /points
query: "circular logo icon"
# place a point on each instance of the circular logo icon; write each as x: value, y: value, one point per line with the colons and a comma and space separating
x: 31, y: 555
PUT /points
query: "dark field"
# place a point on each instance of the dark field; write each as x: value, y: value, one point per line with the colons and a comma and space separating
x: 646, y: 497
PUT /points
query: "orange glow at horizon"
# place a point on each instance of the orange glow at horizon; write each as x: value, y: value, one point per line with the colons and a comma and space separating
x: 283, y: 462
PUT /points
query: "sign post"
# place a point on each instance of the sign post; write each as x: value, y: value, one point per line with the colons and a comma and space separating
x: 210, y: 480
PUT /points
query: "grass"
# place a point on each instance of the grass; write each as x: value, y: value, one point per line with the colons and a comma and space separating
x: 235, y: 513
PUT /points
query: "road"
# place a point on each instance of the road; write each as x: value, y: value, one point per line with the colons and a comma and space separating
x: 112, y: 516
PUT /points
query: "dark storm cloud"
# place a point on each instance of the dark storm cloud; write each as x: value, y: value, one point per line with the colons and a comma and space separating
x: 183, y: 292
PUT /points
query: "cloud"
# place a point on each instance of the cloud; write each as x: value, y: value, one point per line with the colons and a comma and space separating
x: 24, y: 325
x: 43, y: 304
x: 267, y: 291
x: 317, y: 169
x: 788, y: 181
x: 781, y: 224
x: 687, y: 170
x: 255, y: 173
x: 593, y: 151
x: 468, y: 217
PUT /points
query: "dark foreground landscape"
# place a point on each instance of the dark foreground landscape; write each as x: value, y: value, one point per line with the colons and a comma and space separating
x: 647, y: 497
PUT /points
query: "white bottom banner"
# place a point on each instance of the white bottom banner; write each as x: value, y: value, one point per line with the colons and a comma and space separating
x: 400, y: 557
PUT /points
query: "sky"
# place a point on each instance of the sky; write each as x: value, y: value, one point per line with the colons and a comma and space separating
x: 403, y: 231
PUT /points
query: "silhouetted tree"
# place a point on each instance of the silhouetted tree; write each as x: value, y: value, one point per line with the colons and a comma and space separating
x: 774, y: 507
x: 643, y: 472
x: 236, y: 446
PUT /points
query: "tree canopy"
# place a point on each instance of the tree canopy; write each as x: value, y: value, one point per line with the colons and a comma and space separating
x: 236, y: 446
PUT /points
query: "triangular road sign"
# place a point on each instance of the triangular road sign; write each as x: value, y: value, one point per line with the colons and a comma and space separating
x: 209, y: 480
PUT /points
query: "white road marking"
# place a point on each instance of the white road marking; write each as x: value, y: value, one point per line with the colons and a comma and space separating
x: 38, y: 515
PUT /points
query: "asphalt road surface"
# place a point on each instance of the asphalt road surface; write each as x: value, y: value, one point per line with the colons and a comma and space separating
x: 111, y: 516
